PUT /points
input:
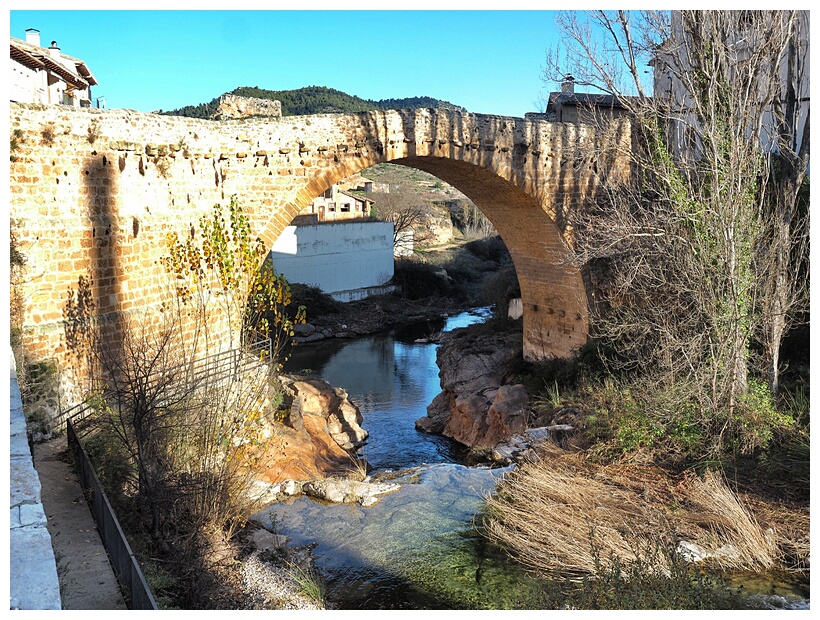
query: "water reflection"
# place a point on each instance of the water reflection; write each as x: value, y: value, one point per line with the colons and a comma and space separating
x: 392, y: 381
x: 416, y: 548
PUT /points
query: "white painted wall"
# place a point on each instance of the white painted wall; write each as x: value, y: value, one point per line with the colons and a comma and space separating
x: 336, y: 257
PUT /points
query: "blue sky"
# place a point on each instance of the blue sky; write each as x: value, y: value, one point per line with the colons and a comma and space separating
x: 487, y: 61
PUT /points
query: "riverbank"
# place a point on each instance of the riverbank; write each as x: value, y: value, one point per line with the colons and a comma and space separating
x: 372, y: 315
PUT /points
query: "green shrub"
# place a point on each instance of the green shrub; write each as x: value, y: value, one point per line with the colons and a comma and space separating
x: 113, y: 465
x: 418, y: 280
x: 490, y: 249
x: 636, y: 430
x: 583, y: 367
x: 315, y: 301
x: 786, y: 462
x: 756, y: 419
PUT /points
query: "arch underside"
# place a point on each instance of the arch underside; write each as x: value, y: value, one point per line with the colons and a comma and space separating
x: 555, y: 315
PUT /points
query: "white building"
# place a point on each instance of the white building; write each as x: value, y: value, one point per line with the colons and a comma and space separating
x: 46, y: 75
x: 349, y: 260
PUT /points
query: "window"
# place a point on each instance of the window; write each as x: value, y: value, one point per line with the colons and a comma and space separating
x: 345, y: 207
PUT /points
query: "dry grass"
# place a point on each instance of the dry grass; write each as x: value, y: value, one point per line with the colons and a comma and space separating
x: 557, y: 515
x: 562, y: 514
x: 730, y: 523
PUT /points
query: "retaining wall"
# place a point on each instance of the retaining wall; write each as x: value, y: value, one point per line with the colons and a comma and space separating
x: 32, y: 565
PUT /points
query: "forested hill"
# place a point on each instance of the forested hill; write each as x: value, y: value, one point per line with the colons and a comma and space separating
x: 314, y: 100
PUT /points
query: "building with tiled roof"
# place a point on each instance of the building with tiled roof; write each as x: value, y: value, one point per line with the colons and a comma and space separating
x: 337, y: 204
x: 46, y: 75
x: 567, y: 106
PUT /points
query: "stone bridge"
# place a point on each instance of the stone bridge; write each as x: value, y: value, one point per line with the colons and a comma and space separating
x: 94, y: 192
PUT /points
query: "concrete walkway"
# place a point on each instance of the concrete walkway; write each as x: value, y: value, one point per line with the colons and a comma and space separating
x: 87, y: 580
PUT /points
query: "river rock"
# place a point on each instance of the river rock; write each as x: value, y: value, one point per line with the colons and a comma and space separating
x: 322, y: 429
x: 264, y: 540
x: 692, y: 552
x: 267, y: 492
x: 348, y: 491
x: 318, y: 398
x: 478, y: 422
x: 521, y: 446
x: 303, y: 329
x: 314, y: 337
x: 474, y: 407
x: 438, y: 412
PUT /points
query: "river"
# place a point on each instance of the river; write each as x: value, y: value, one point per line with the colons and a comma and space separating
x: 418, y: 547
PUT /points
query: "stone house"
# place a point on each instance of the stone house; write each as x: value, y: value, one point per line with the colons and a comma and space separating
x: 336, y: 204
x: 46, y: 75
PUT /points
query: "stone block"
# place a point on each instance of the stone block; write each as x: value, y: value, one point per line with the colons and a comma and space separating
x: 33, y: 570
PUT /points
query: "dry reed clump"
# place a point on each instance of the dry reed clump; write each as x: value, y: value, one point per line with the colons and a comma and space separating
x: 731, y: 525
x: 555, y: 515
x: 561, y: 514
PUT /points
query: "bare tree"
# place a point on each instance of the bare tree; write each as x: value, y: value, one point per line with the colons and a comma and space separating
x: 785, y: 247
x: 685, y: 257
x: 473, y: 223
x: 406, y: 208
x: 189, y: 434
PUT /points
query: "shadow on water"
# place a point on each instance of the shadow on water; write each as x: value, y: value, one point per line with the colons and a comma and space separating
x: 418, y: 547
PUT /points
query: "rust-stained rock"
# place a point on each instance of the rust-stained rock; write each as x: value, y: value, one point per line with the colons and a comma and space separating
x: 321, y: 433
x: 305, y: 455
x: 479, y: 422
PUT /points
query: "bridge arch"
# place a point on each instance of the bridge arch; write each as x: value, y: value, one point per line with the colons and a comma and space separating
x: 554, y: 299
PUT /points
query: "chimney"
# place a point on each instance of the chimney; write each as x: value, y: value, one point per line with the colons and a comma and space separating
x: 54, y: 51
x: 568, y: 85
x: 33, y: 36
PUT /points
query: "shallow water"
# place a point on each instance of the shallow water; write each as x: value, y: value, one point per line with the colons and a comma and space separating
x: 418, y: 547
x: 414, y: 549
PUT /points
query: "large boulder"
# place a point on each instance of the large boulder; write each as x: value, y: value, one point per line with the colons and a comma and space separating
x: 320, y: 435
x: 343, y: 418
x: 476, y: 406
x: 479, y: 422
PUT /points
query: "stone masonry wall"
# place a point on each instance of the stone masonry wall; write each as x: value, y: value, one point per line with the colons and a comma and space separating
x: 93, y: 194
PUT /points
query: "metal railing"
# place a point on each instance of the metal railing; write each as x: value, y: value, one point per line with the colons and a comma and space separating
x: 217, y: 367
x: 125, y: 564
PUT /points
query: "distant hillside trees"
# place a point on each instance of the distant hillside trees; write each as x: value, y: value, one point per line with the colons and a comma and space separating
x: 314, y: 100
x: 203, y: 110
